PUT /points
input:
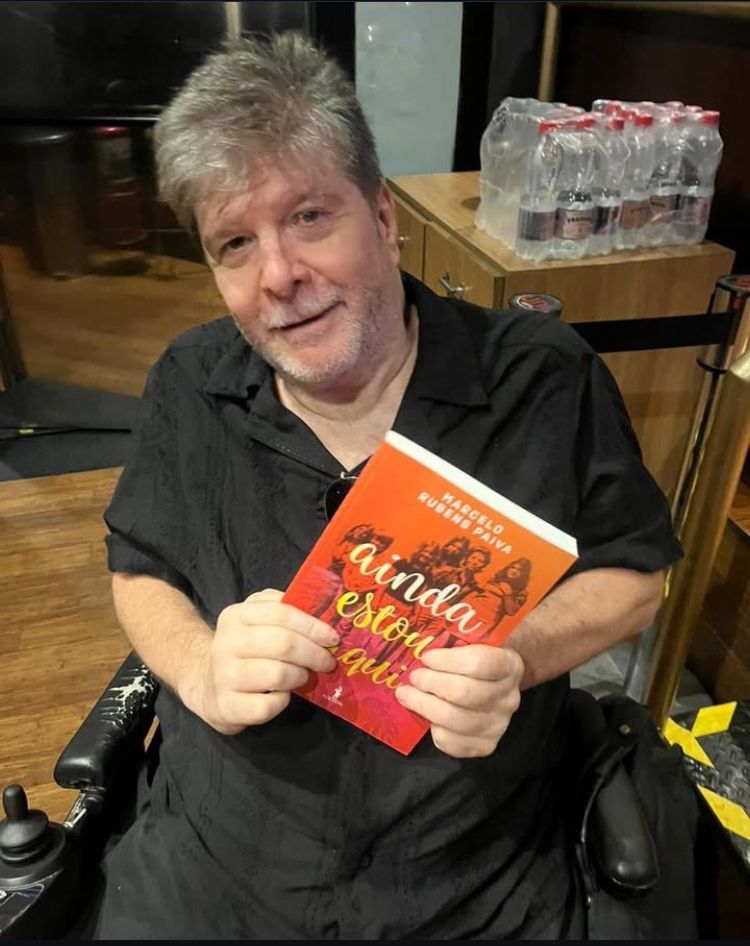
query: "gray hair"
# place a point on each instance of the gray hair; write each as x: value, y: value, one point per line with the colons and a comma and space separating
x: 258, y: 98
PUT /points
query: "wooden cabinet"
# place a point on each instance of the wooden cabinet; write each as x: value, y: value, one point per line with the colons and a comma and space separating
x: 720, y: 649
x: 450, y: 269
x: 411, y: 225
x: 444, y: 248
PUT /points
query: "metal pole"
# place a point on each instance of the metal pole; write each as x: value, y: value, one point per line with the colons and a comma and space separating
x: 706, y: 511
x: 550, y: 43
x: 738, y: 289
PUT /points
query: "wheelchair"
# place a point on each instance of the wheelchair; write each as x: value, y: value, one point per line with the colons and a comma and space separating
x: 634, y: 885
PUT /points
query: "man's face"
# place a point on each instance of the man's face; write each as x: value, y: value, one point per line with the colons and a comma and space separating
x: 475, y: 562
x: 308, y: 268
x: 453, y: 551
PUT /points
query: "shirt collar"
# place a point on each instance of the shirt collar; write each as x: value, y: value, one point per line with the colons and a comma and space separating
x: 447, y: 367
x: 239, y: 371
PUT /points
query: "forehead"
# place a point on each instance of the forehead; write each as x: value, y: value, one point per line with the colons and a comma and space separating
x: 275, y: 184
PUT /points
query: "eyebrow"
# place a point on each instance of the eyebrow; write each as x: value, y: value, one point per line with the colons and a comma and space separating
x: 297, y: 199
x: 225, y: 232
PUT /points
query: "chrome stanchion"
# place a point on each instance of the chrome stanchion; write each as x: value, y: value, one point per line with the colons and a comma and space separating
x: 705, y: 514
x: 731, y: 294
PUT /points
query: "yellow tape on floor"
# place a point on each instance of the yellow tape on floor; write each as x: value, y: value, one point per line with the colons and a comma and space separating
x: 730, y: 814
x: 678, y: 735
x: 713, y: 719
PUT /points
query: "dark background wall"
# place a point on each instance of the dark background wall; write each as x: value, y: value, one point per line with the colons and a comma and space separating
x: 501, y: 46
x: 618, y: 51
x: 705, y: 60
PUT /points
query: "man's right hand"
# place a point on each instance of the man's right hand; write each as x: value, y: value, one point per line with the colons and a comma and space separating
x: 262, y: 649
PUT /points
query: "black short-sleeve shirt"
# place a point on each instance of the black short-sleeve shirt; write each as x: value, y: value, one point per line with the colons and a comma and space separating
x: 305, y: 827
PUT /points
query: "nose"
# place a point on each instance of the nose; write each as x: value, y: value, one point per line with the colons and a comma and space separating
x: 281, y: 271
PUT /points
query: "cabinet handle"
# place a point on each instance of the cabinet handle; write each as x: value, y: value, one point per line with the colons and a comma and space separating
x: 456, y: 292
x: 402, y: 239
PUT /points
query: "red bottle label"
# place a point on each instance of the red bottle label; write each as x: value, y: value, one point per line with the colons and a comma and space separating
x: 635, y: 214
x: 574, y: 224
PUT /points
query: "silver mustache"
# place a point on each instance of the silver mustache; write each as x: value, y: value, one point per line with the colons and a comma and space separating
x: 285, y: 316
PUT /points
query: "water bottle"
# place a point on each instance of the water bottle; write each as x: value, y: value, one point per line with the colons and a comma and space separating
x: 665, y: 182
x: 537, y: 205
x: 575, y: 204
x: 636, y: 196
x: 701, y: 148
x: 611, y: 156
x: 606, y: 105
x: 504, y: 149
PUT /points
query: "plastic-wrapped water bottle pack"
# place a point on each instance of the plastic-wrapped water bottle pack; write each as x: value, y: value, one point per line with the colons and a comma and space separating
x: 558, y: 182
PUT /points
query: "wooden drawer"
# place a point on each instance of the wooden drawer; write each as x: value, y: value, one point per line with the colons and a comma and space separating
x: 410, y: 237
x: 448, y: 263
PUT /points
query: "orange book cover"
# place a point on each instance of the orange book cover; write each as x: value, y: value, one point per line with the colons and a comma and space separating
x: 418, y: 555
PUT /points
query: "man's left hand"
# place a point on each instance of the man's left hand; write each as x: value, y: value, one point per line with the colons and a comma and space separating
x: 467, y: 694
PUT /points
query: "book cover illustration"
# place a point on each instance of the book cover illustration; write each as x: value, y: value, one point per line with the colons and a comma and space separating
x: 419, y: 555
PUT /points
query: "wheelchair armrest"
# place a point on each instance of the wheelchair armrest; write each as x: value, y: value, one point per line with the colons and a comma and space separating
x: 112, y: 732
x: 613, y: 834
x: 620, y: 842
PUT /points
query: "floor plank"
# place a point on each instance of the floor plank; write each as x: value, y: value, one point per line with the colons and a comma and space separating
x: 59, y: 638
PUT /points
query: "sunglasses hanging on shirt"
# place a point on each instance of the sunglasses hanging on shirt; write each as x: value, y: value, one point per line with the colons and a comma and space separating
x: 335, y: 494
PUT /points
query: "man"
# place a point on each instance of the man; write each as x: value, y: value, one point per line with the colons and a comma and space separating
x: 268, y: 817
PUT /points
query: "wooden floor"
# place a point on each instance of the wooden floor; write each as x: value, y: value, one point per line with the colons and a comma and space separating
x: 101, y: 331
x: 59, y: 638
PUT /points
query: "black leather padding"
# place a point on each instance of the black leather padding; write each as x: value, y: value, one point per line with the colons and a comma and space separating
x: 113, y: 731
x: 612, y: 829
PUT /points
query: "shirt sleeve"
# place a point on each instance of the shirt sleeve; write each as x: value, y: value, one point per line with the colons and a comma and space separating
x: 148, y: 517
x: 623, y: 518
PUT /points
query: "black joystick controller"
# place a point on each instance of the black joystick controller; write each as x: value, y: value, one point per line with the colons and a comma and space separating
x: 24, y: 834
x: 30, y: 847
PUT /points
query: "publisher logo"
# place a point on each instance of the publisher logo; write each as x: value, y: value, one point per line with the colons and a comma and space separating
x: 334, y: 697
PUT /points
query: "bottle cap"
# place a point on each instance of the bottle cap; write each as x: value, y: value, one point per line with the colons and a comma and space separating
x: 613, y: 108
x: 548, y: 125
x: 616, y: 123
x: 710, y: 118
x: 643, y: 120
x: 585, y: 122
x: 628, y: 114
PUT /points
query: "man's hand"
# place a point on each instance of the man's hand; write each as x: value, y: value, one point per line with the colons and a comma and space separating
x: 260, y: 652
x: 468, y: 695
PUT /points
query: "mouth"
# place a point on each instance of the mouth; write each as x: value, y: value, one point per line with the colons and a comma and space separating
x: 309, y: 321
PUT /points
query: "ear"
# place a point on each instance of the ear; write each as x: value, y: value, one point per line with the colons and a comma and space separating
x: 387, y: 224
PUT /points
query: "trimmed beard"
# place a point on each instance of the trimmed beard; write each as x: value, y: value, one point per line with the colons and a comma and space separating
x: 364, y: 346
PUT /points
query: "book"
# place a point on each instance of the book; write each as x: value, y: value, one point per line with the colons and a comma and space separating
x: 418, y: 555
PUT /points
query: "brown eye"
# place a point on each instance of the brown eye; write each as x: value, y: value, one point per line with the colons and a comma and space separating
x: 310, y: 216
x: 236, y: 243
